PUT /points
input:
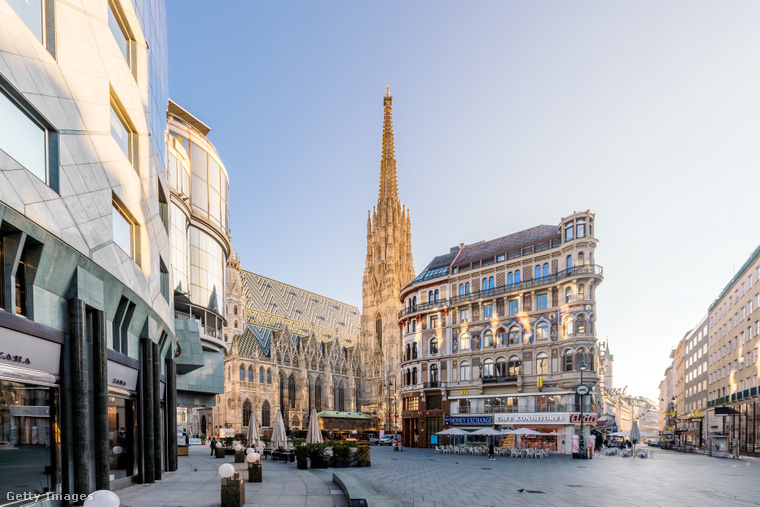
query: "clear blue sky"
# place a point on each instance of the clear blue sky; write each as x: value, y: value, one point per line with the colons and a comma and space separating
x: 507, y: 115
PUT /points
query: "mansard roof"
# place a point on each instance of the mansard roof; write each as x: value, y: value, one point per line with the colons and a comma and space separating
x: 506, y: 243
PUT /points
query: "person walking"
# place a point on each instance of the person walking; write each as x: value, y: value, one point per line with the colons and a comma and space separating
x: 490, y: 452
x: 213, y: 445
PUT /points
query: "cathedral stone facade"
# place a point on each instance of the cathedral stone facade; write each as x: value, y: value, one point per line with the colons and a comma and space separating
x: 293, y: 350
x: 388, y: 269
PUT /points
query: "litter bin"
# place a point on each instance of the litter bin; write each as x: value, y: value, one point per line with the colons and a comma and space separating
x: 395, y: 445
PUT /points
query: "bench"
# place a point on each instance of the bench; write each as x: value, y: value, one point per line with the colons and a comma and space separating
x: 361, y: 494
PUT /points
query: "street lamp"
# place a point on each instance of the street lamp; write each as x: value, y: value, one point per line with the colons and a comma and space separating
x: 582, y: 390
x: 388, y: 409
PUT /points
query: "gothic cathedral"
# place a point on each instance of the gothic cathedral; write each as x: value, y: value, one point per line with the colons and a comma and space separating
x: 389, y: 268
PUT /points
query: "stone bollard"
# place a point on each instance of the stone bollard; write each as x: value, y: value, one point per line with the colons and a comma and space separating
x: 219, y: 451
x: 254, y: 472
x: 240, y: 456
x: 233, y: 491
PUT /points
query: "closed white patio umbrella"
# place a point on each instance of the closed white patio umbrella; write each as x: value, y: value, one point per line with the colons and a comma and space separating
x: 314, y: 435
x: 253, y: 437
x: 279, y: 438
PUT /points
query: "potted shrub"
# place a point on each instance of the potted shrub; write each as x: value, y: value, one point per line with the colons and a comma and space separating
x: 341, y: 455
x: 203, y: 438
x: 317, y: 455
x: 302, y: 457
x: 228, y: 443
x: 363, y: 455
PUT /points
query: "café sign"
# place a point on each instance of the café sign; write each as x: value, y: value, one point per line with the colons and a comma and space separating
x: 543, y: 418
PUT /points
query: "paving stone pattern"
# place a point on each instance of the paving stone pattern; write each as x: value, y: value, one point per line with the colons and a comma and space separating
x: 418, y: 477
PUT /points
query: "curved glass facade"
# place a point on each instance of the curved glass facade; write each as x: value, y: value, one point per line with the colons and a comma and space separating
x: 178, y: 237
x: 207, y: 265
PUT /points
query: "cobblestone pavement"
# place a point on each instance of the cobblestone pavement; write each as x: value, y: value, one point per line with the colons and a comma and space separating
x: 419, y: 477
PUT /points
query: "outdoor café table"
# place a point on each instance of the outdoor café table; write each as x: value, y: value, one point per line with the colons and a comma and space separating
x: 283, y: 455
x: 267, y: 453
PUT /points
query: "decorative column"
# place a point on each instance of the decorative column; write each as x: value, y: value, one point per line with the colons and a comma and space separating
x: 148, y: 443
x: 171, y: 414
x: 100, y: 393
x: 157, y: 422
x: 78, y: 390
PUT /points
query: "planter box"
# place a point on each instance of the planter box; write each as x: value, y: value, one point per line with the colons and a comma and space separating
x: 182, y: 450
x: 240, y: 456
x: 233, y: 491
x: 319, y: 463
x: 219, y: 452
x: 302, y: 465
x: 341, y: 465
x: 365, y: 463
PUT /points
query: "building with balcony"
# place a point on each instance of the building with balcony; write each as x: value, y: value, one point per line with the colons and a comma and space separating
x: 200, y: 247
x: 495, y: 334
x: 86, y: 317
x: 733, y: 329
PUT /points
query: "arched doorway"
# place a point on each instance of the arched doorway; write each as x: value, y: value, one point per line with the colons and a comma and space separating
x: 203, y: 424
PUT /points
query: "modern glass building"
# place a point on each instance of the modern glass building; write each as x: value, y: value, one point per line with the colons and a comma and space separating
x: 199, y: 233
x: 86, y: 309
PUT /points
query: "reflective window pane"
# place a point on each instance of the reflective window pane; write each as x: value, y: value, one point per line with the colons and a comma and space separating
x: 122, y: 426
x: 122, y: 231
x: 30, y: 12
x: 21, y: 138
x: 118, y: 34
x: 199, y: 161
x: 120, y: 133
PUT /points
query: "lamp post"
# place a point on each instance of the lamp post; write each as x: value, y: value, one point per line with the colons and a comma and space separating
x: 388, y: 409
x: 582, y: 390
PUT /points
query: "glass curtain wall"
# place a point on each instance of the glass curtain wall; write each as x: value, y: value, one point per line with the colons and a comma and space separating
x: 122, y: 431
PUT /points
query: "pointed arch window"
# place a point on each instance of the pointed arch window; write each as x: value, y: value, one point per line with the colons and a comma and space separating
x: 269, y: 376
x: 242, y: 373
x: 250, y: 374
x: 247, y: 412
x: 265, y: 421
x: 379, y: 330
x: 261, y: 375
x: 318, y: 395
x: 292, y: 391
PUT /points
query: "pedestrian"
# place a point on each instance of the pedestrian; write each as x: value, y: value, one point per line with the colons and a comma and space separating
x: 213, y: 445
x: 490, y: 452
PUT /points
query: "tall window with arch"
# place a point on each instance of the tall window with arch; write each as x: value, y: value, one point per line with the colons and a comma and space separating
x: 567, y: 360
x: 568, y: 327
x: 513, y: 366
x: 437, y: 295
x: 292, y: 391
x: 414, y: 303
x: 265, y: 421
x: 580, y: 228
x: 491, y: 283
x: 488, y: 368
x: 247, y: 407
x: 318, y: 395
x: 510, y: 279
x: 464, y: 370
x: 434, y: 346
x: 434, y: 374
x: 461, y: 289
x: 542, y: 364
x: 515, y: 335
x: 414, y: 325
x: 580, y: 358
x: 379, y: 330
x: 408, y: 354
x: 484, y: 287
x: 414, y: 350
x: 501, y: 367
x: 464, y: 342
x: 545, y: 270
x: 517, y: 276
x: 242, y: 373
x: 580, y: 324
x: 269, y: 376
x: 581, y: 259
x: 466, y: 288
x: 542, y: 331
x: 250, y: 374
x: 487, y: 338
x: 235, y: 310
x: 569, y: 262
x: 261, y: 375
x: 501, y: 337
x: 568, y: 294
x: 538, y: 272
x: 581, y: 295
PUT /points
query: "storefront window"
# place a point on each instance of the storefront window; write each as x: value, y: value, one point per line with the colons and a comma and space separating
x: 121, y: 434
x: 28, y: 436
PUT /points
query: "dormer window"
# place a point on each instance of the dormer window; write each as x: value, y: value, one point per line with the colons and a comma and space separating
x: 569, y: 231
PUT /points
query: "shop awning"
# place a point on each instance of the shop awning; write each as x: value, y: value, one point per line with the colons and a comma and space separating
x: 343, y: 415
x: 725, y: 411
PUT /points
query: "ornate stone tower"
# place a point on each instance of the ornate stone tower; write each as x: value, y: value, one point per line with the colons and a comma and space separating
x: 388, y: 269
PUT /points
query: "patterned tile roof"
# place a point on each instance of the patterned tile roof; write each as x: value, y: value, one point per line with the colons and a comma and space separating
x: 273, y: 305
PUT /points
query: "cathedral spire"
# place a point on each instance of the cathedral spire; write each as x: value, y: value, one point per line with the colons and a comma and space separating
x: 388, y: 183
